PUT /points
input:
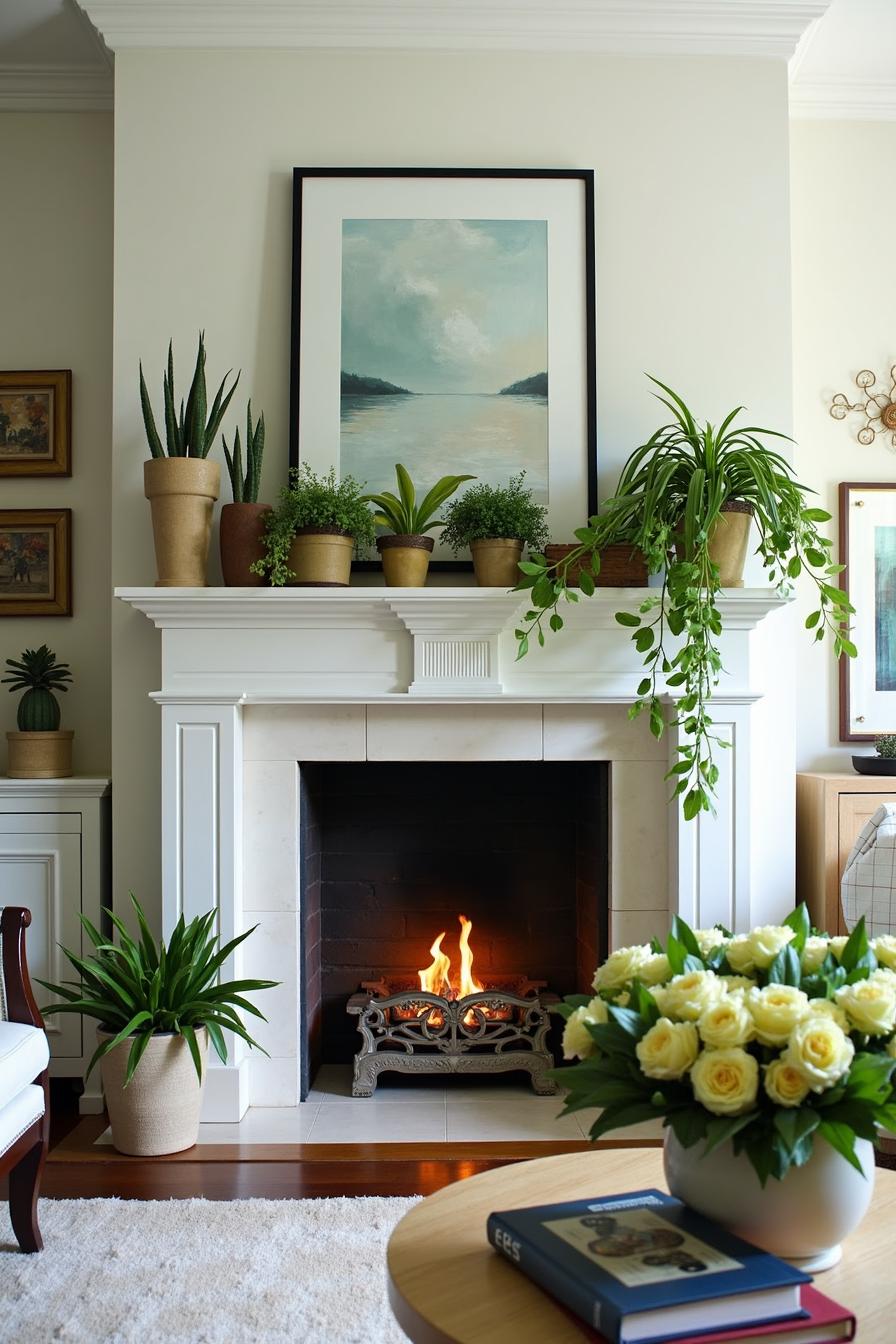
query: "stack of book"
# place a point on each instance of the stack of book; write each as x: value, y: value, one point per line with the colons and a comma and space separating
x: 642, y: 1268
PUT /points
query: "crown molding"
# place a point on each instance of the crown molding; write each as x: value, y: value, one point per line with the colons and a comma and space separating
x: 842, y: 99
x: 759, y: 28
x: 55, y: 88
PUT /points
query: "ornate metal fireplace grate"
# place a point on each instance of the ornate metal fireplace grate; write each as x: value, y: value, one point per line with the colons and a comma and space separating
x: 407, y: 1030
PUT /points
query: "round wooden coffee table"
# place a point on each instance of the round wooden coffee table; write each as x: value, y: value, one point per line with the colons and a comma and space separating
x: 447, y: 1285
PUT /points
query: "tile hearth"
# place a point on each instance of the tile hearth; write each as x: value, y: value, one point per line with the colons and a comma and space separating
x: 401, y: 1113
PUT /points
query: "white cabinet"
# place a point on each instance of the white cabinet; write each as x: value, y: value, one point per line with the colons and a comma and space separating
x: 54, y: 859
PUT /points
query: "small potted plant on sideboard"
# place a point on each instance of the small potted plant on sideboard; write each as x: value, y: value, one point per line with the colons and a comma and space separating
x: 39, y: 750
x: 243, y: 521
x: 178, y: 480
x: 405, y: 549
x: 310, y: 536
x: 157, y: 1006
x: 496, y: 521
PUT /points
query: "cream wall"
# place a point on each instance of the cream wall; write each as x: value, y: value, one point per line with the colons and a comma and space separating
x: 844, y: 298
x: 56, y: 313
x: 692, y: 263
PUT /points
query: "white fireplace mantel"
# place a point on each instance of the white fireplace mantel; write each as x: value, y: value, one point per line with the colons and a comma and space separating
x: 256, y: 682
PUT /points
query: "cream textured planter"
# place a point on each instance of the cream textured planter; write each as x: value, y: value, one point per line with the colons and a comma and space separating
x: 40, y: 755
x: 496, y: 561
x: 158, y: 1111
x: 802, y: 1218
x: 321, y: 558
x: 181, y: 493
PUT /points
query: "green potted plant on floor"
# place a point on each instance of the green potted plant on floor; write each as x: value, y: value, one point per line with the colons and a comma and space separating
x: 496, y: 522
x: 310, y: 536
x: 179, y: 481
x: 405, y: 550
x: 243, y: 522
x: 688, y: 498
x: 157, y: 1005
x: 39, y: 750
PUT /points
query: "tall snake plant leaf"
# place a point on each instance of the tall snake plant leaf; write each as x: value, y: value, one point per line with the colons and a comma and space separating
x: 152, y: 434
x: 172, y: 431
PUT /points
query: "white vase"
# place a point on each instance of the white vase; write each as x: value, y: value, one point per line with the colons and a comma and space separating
x: 802, y: 1219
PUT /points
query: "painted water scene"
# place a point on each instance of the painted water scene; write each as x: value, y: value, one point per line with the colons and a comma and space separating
x: 885, y: 608
x: 444, y: 350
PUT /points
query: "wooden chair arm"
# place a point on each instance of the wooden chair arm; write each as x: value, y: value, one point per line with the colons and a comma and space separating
x: 17, y: 993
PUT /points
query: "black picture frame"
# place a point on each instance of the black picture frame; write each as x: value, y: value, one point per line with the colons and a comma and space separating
x: 583, y: 175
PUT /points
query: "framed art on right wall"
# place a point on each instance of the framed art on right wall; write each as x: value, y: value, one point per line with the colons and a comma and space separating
x: 868, y: 550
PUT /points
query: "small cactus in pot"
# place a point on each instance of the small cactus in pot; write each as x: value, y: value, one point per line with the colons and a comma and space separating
x: 38, y: 750
x: 885, y: 746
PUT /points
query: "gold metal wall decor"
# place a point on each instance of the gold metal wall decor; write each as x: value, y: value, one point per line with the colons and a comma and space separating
x: 876, y: 405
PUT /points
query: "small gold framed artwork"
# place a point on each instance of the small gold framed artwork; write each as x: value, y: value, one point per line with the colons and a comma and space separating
x: 36, y: 423
x: 35, y: 562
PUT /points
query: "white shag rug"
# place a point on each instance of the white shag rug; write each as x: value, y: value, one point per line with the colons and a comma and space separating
x: 198, y: 1271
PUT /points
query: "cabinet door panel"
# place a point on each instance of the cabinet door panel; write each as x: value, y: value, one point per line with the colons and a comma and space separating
x: 43, y: 872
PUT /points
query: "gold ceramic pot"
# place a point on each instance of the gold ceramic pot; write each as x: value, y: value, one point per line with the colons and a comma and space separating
x: 181, y: 493
x: 158, y: 1111
x: 405, y: 559
x: 321, y: 558
x: 40, y: 755
x: 496, y: 561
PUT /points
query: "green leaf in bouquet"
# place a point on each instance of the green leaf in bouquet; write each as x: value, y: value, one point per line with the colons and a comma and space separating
x: 630, y: 1021
x: 569, y: 1005
x: 795, y: 1124
x: 688, y: 1124
x: 643, y: 1003
x: 676, y: 952
x: 685, y: 936
x: 798, y: 920
x: 612, y: 1038
x: 856, y: 947
x: 619, y: 1117
x: 842, y: 1139
x: 656, y: 946
x: 785, y: 968
x: 869, y: 1077
x: 863, y: 968
x: 724, y: 1127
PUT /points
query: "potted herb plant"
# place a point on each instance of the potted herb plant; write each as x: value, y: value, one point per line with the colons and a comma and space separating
x: 310, y: 536
x: 243, y: 521
x: 157, y: 1005
x: 496, y: 521
x: 883, y: 762
x: 687, y: 499
x: 406, y: 549
x: 179, y: 481
x: 39, y: 750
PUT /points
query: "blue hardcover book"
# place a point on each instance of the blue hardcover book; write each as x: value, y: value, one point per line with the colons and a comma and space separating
x: 642, y: 1268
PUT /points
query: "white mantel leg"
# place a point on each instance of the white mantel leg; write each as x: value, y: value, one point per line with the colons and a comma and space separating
x: 202, y: 835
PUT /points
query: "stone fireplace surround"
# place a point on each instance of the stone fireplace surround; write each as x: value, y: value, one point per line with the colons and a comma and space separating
x: 256, y: 681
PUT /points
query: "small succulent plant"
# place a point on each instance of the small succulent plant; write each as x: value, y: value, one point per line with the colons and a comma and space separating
x: 38, y: 674
x: 245, y: 487
x: 885, y: 745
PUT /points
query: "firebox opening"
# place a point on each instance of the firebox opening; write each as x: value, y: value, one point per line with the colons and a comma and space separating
x: 393, y: 853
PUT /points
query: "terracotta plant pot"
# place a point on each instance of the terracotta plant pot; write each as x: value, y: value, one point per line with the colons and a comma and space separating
x: 242, y: 543
x: 621, y: 566
x: 728, y: 542
x: 181, y: 492
x: 405, y: 559
x: 40, y: 755
x: 321, y: 558
x: 496, y: 561
x: 158, y: 1111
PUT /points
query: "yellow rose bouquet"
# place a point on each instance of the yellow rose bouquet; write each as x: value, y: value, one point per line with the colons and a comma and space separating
x: 766, y: 1039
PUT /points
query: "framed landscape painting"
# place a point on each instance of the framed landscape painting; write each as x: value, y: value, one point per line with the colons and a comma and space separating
x: 868, y: 550
x: 35, y: 562
x: 35, y: 423
x: 444, y: 319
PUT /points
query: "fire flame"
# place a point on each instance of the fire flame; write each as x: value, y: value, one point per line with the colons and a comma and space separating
x: 436, y: 978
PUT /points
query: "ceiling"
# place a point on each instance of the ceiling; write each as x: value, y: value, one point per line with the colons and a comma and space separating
x: 51, y: 56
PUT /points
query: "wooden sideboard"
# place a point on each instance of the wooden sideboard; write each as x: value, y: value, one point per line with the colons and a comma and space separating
x: 831, y: 809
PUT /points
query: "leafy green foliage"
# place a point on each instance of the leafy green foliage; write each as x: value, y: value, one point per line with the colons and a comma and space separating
x: 187, y: 433
x: 38, y: 674
x: 670, y: 496
x: 316, y: 502
x: 402, y: 514
x: 245, y: 486
x: 496, y: 511
x: 885, y: 745
x: 773, y: 1137
x: 137, y: 988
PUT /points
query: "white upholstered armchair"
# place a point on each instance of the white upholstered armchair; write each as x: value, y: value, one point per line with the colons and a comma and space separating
x: 24, y: 1081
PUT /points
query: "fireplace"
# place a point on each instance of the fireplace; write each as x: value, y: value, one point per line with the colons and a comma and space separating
x: 392, y: 854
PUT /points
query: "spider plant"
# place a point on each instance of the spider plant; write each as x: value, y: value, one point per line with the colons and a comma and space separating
x: 668, y: 502
x: 402, y: 514
x: 138, y: 988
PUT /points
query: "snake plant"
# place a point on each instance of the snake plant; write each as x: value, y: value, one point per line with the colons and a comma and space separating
x: 138, y: 988
x: 245, y: 487
x: 187, y: 433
